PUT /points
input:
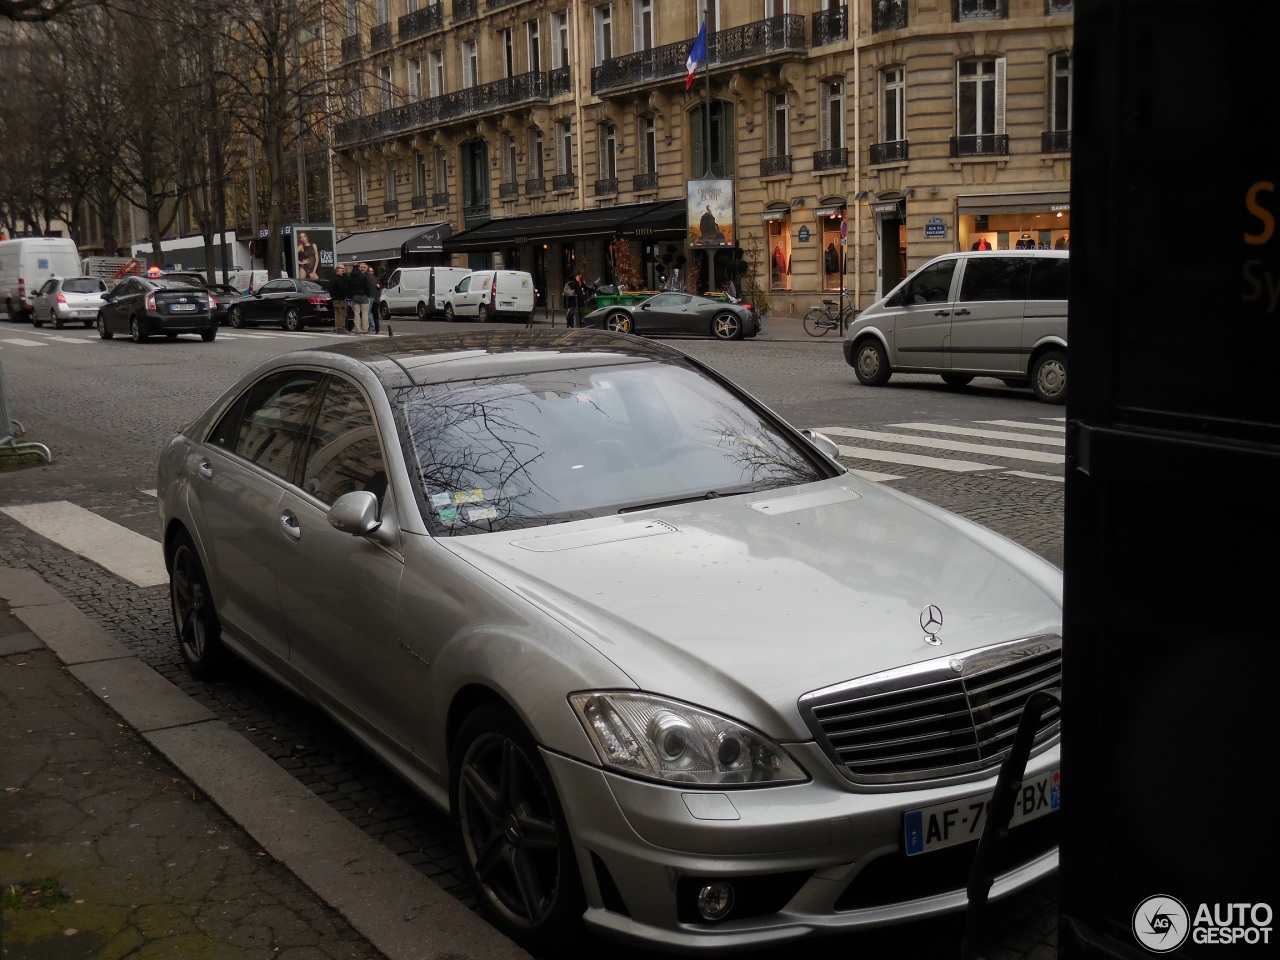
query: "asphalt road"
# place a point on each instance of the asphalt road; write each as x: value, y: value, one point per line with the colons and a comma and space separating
x: 107, y: 408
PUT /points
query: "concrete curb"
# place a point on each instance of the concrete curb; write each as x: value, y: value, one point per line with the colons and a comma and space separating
x: 397, y: 909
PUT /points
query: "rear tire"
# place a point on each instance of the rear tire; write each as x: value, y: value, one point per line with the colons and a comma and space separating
x: 292, y: 320
x: 619, y: 322
x: 195, y: 620
x: 870, y: 363
x: 817, y: 322
x: 57, y: 322
x: 208, y: 335
x: 236, y: 316
x: 135, y: 330
x: 1049, y: 377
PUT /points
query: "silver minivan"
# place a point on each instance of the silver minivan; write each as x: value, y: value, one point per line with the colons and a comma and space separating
x: 998, y: 313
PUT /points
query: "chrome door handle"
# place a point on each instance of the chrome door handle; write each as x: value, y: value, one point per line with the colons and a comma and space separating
x: 961, y: 313
x: 205, y: 469
x: 289, y: 524
x: 941, y: 313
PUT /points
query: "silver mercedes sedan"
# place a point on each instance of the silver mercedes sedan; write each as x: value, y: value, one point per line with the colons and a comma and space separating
x: 673, y: 671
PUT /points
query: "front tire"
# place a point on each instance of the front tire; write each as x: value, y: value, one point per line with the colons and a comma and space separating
x: 515, y: 842
x: 870, y: 363
x: 135, y: 330
x: 817, y: 322
x: 1049, y: 377
x: 422, y: 311
x: 292, y: 320
x: 619, y: 322
x: 103, y: 332
x: 384, y: 312
x: 195, y: 620
x: 726, y: 326
x: 449, y: 315
x: 236, y: 316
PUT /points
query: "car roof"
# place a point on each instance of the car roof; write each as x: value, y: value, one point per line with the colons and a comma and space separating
x: 403, y: 361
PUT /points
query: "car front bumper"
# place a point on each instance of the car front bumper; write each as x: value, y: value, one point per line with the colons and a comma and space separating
x: 803, y: 859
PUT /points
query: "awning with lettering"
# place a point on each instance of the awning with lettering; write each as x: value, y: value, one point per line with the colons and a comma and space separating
x: 660, y: 219
x: 1014, y: 203
x: 392, y: 243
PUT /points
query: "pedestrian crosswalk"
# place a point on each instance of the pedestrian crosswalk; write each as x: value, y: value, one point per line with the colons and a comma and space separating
x: 1002, y: 446
x: 23, y: 338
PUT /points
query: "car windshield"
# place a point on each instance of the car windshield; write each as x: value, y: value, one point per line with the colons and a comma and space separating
x: 83, y: 285
x: 546, y: 447
x: 310, y: 286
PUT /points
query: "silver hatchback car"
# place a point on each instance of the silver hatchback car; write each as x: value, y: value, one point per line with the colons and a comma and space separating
x: 65, y: 300
x: 672, y: 670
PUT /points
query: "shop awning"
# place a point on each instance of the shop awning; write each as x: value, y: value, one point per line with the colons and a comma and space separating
x: 1014, y: 203
x: 660, y: 218
x: 392, y: 243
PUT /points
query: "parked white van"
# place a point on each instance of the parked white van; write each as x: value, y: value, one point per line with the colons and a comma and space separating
x: 246, y: 280
x: 999, y: 313
x: 413, y: 290
x: 490, y: 295
x: 26, y: 264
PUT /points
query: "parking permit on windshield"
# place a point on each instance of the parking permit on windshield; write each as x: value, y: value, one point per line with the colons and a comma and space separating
x: 947, y: 824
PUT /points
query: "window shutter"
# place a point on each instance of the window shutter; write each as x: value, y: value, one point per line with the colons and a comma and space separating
x: 824, y: 115
x: 771, y: 126
x: 1000, y: 81
x: 637, y: 27
x: 599, y: 51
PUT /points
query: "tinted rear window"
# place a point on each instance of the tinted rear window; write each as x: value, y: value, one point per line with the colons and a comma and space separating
x: 81, y: 285
x: 1049, y: 278
x: 995, y: 278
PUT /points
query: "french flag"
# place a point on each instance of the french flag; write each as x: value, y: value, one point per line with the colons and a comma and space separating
x: 697, y: 55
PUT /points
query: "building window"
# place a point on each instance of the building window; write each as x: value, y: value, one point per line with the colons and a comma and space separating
x: 386, y: 93
x: 382, y: 11
x: 435, y: 72
x: 440, y: 175
x: 560, y: 40
x: 604, y: 33
x: 776, y: 8
x: 508, y: 52
x: 642, y: 14
x: 722, y: 161
x: 608, y: 137
x: 831, y: 114
x: 647, y: 133
x: 362, y: 186
x: 779, y: 241
x: 980, y: 9
x: 776, y: 126
x: 980, y: 97
x: 470, y: 64
x: 420, y: 176
x: 533, y: 40
x: 709, y: 12
x: 389, y: 181
x: 353, y: 17
x: 1060, y: 92
x: 413, y: 78
x: 564, y: 148
x: 893, y: 104
x: 508, y: 158
x: 535, y: 154
x: 355, y: 101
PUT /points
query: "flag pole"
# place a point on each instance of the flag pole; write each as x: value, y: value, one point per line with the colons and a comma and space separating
x: 706, y: 119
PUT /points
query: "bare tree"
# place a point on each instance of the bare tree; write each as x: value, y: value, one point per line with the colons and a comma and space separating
x: 35, y: 11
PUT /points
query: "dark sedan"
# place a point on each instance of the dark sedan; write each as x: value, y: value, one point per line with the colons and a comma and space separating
x: 223, y: 295
x: 293, y: 304
x: 144, y: 306
x: 678, y: 313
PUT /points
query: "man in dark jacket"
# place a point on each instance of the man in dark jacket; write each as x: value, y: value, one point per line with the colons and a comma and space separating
x: 339, y: 290
x: 373, y: 289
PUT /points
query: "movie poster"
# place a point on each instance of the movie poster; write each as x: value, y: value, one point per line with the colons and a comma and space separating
x: 710, y: 213
x: 313, y: 256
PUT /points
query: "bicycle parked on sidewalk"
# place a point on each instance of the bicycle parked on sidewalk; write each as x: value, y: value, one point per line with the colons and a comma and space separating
x: 829, y: 316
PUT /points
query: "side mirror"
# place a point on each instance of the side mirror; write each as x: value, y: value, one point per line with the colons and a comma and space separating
x: 355, y: 513
x: 108, y: 297
x: 823, y: 443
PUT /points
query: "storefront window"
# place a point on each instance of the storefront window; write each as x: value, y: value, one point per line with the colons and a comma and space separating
x: 831, y: 259
x: 1042, y: 230
x: 778, y: 236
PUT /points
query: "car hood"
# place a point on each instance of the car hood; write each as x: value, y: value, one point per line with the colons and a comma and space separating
x: 742, y: 604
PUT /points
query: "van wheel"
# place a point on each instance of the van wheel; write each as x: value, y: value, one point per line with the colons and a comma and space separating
x: 956, y: 379
x: 384, y: 312
x: 1049, y: 377
x: 870, y: 364
x: 485, y: 314
x: 448, y: 312
x: 422, y: 311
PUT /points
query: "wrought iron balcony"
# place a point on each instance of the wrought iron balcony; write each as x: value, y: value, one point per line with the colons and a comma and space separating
x: 362, y: 211
x: 1055, y: 141
x: 380, y: 36
x: 423, y: 20
x: 476, y: 212
x: 1059, y: 6
x: 981, y: 145
x: 463, y: 9
x: 831, y: 159
x: 891, y: 151
x: 888, y: 15
x: 351, y: 47
x: 535, y: 187
x: 560, y: 81
x: 643, y: 182
x: 486, y: 98
x: 831, y: 26
x: 607, y: 187
x: 495, y: 4
x: 562, y: 181
x: 390, y: 206
x: 979, y: 10
x: 419, y: 202
x: 775, y: 166
x: 764, y: 38
x: 440, y: 199
x: 508, y: 190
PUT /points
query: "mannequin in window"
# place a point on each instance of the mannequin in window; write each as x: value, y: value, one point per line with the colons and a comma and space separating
x: 981, y: 244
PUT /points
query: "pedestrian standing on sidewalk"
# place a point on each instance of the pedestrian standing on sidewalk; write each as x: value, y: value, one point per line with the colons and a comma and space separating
x: 372, y: 289
x: 339, y: 287
x: 360, y: 283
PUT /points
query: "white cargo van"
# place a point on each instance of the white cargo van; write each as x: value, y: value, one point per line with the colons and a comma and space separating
x: 490, y: 295
x: 414, y: 290
x: 26, y: 264
x: 247, y: 280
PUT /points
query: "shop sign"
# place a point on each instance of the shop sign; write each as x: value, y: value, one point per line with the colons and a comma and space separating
x: 804, y: 234
x: 935, y: 228
x: 886, y: 206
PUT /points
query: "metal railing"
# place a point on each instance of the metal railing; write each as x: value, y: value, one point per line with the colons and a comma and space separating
x: 439, y: 199
x: 608, y: 187
x: 888, y: 15
x: 351, y: 47
x: 643, y: 182
x: 891, y: 151
x: 419, y: 202
x: 831, y: 26
x: 423, y: 20
x: 775, y: 166
x: 535, y: 186
x: 390, y: 206
x: 380, y: 36
x: 784, y: 34
x: 831, y: 159
x: 1055, y: 141
x: 1059, y: 6
x: 560, y: 81
x: 562, y: 181
x: 508, y: 190
x: 362, y: 211
x: 464, y: 9
x: 980, y: 145
x: 485, y: 98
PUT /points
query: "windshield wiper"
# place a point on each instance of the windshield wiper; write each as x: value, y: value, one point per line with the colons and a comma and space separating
x: 709, y: 495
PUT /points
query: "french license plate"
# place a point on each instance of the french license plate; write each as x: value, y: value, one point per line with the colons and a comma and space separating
x: 960, y: 821
x: 182, y: 308
x: 84, y: 313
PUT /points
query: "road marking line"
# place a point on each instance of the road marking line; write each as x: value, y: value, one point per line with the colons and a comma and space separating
x: 873, y: 476
x: 1029, y: 426
x: 19, y: 342
x: 130, y: 555
x: 983, y: 434
x: 1034, y: 476
x: 70, y: 339
x: 982, y: 449
x: 912, y: 459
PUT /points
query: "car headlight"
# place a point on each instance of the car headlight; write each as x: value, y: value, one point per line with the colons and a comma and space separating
x: 660, y: 739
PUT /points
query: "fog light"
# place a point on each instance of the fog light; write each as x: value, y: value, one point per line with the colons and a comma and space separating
x: 715, y: 900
